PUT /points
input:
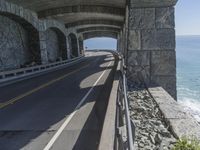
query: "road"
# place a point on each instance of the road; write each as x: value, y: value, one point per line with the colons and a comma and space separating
x: 61, y: 110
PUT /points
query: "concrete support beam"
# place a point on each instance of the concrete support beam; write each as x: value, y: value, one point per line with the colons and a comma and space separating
x: 151, y: 44
x: 81, y: 9
x: 152, y: 3
x: 98, y: 28
x: 93, y: 22
x: 94, y: 34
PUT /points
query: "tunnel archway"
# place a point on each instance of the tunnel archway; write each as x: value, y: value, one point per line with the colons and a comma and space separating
x: 19, y: 46
x: 101, y: 43
x: 56, y: 45
x: 73, y: 45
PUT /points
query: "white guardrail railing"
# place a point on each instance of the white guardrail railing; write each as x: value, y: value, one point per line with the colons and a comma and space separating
x: 6, y: 76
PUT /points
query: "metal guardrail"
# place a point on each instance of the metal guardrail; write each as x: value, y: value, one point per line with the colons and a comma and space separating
x: 126, y: 128
x: 7, y: 76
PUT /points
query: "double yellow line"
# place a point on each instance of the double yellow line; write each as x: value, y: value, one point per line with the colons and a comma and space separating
x: 14, y: 100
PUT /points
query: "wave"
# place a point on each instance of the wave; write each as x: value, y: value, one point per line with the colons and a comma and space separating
x: 192, y: 106
x: 185, y: 93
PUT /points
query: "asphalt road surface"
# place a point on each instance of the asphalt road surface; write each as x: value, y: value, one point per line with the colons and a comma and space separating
x: 61, y: 110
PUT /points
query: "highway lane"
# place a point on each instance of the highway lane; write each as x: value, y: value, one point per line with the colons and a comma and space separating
x: 59, y: 110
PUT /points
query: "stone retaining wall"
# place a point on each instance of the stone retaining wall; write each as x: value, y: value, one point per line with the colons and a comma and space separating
x: 181, y: 123
x: 159, y: 119
x: 151, y: 131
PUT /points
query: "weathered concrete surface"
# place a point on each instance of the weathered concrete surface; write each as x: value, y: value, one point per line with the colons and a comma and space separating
x: 151, y: 44
x: 181, y: 123
x: 46, y: 4
x: 14, y: 50
x: 93, y: 34
x: 76, y: 11
x: 107, y: 140
x: 52, y: 45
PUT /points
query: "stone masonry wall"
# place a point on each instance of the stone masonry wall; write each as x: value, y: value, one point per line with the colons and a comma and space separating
x: 14, y: 50
x: 151, y: 46
x: 27, y: 17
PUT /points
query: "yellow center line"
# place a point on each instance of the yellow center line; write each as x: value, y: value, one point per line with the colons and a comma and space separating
x: 13, y: 100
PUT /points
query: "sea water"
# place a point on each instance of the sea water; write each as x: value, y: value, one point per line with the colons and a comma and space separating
x: 188, y: 73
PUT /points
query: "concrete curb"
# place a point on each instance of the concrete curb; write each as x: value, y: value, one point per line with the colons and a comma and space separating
x: 109, y: 128
x: 180, y: 122
x: 108, y: 135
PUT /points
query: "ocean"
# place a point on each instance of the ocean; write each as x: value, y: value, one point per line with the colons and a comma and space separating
x: 188, y: 73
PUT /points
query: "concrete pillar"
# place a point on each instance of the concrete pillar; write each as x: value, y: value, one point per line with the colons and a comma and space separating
x: 80, y: 43
x: 43, y: 47
x: 68, y: 49
x: 118, y: 42
x: 121, y: 41
x: 151, y: 44
x: 78, y: 46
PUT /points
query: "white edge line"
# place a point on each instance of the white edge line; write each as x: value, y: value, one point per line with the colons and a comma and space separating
x: 60, y: 130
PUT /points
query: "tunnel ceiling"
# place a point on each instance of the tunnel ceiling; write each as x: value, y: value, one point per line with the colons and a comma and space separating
x: 93, y: 34
x: 79, y: 12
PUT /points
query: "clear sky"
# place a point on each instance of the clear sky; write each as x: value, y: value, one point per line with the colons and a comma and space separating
x: 188, y: 17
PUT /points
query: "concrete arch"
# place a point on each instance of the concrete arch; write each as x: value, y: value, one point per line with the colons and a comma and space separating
x: 73, y: 45
x: 56, y: 45
x: 82, y: 9
x: 94, y: 34
x: 22, y: 38
x: 18, y: 13
x: 49, y: 23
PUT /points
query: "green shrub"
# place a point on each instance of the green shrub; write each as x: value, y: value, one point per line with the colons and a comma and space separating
x: 187, y: 144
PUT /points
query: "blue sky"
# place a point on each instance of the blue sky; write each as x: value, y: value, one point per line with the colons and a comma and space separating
x: 187, y: 17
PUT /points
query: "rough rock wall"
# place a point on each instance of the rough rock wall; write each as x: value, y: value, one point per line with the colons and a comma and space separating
x: 151, y: 47
x: 13, y: 44
x: 52, y: 45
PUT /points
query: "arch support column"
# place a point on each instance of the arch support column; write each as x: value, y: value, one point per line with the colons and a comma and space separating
x: 68, y: 49
x: 151, y: 44
x: 81, y: 46
x: 43, y: 47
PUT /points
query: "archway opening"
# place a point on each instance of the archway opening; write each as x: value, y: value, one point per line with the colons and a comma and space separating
x: 100, y: 43
x: 19, y: 43
x: 73, y: 45
x: 56, y: 45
